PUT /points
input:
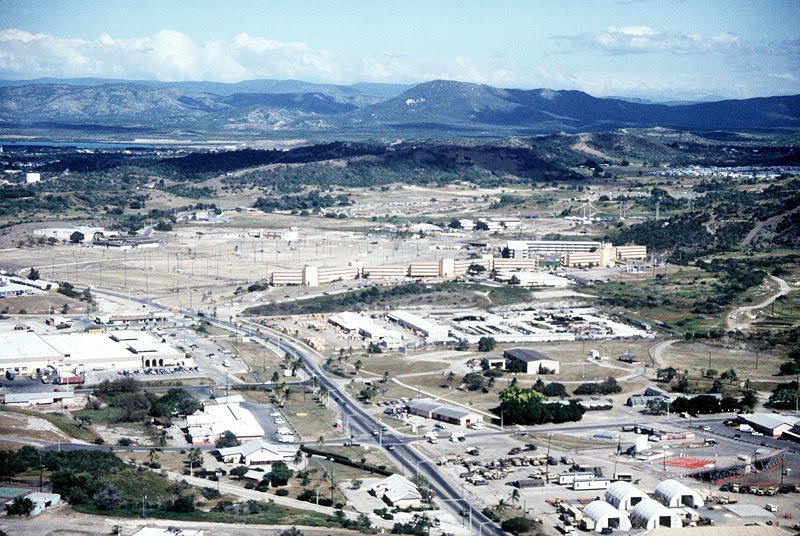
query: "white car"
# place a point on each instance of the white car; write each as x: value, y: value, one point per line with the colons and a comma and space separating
x: 275, y: 414
x: 280, y: 421
x: 757, y: 434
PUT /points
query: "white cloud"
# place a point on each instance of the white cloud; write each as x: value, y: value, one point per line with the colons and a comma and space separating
x: 166, y: 55
x: 644, y: 39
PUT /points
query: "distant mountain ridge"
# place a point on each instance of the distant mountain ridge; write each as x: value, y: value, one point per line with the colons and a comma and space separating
x: 435, y: 108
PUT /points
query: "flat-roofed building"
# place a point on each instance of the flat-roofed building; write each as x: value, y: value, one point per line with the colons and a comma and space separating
x: 386, y: 272
x: 500, y: 263
x: 631, y: 253
x: 428, y: 408
x: 64, y: 233
x: 286, y: 277
x: 423, y: 269
x: 523, y: 249
x: 36, y: 399
x: 314, y: 276
x: 533, y: 279
x: 419, y: 325
x: 31, y: 353
x: 207, y: 425
x: 531, y: 361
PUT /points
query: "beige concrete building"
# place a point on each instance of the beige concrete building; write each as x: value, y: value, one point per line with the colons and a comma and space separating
x: 30, y: 353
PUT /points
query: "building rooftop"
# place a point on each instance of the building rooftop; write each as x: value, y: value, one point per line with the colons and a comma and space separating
x: 527, y: 355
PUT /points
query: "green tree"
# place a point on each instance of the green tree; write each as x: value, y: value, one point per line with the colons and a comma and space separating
x: 226, y: 440
x: 194, y: 456
x: 20, y: 506
x: 33, y: 275
x: 280, y: 474
x: 152, y: 456
x: 76, y: 237
x: 518, y: 525
x: 462, y: 345
x: 486, y: 344
x: 294, y: 531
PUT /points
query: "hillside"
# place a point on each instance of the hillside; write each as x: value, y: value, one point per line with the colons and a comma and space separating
x: 439, y: 108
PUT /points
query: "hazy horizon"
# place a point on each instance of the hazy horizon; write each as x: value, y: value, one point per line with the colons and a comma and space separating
x: 670, y: 50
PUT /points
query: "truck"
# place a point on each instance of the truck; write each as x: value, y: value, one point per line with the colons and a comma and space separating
x: 71, y: 379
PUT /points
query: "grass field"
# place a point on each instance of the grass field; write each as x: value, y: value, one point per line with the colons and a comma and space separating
x: 60, y: 421
x: 698, y: 357
x: 666, y: 301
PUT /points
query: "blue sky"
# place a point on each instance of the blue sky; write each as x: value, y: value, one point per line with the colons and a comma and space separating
x: 654, y: 49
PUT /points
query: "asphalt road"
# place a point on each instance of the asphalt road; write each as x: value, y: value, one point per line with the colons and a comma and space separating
x: 360, y: 422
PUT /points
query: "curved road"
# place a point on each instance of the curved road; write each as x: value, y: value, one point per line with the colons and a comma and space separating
x: 362, y: 423
x: 732, y: 320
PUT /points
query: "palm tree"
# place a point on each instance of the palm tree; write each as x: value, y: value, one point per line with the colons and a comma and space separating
x: 450, y: 377
x: 321, y: 442
x: 323, y: 393
x: 358, y: 365
x: 275, y: 378
x: 385, y: 376
x: 194, y: 456
x: 162, y: 437
x: 515, y: 496
x: 501, y: 506
x: 152, y: 456
x: 314, y: 383
x: 299, y: 457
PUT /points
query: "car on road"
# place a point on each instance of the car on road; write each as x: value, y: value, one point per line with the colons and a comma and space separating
x: 390, y: 447
x: 279, y: 421
x: 275, y: 414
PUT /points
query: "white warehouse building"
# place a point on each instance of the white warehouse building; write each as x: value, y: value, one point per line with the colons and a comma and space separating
x: 624, y: 495
x: 651, y: 514
x: 604, y: 516
x: 426, y: 328
x: 674, y: 494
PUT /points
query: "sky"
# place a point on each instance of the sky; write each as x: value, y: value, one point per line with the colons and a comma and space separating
x: 655, y: 49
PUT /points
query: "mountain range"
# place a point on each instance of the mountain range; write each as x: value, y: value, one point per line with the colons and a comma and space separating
x: 295, y: 108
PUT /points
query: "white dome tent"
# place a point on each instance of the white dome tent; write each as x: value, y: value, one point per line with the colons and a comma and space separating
x: 624, y: 495
x: 651, y: 514
x: 674, y: 494
x: 605, y: 516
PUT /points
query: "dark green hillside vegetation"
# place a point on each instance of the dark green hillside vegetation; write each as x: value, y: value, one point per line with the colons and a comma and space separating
x: 97, y: 482
x: 449, y: 293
